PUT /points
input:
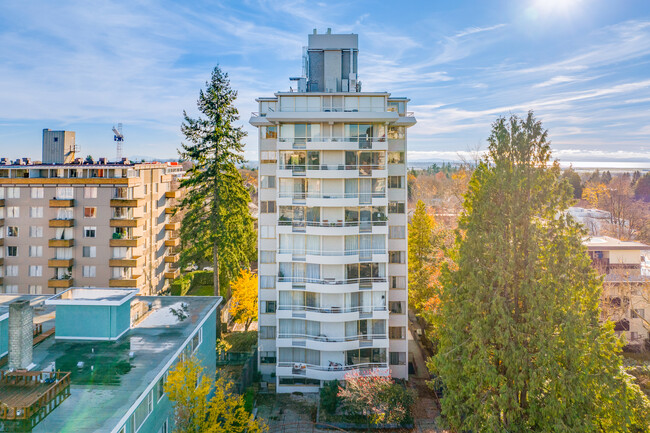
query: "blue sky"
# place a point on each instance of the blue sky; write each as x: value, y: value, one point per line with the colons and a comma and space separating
x: 582, y: 65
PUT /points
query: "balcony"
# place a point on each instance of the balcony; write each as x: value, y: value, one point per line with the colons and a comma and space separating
x: 2, y: 261
x: 61, y: 202
x: 127, y: 202
x: 334, y: 257
x: 60, y: 263
x: 331, y: 285
x: 173, y: 226
x: 332, y: 171
x: 173, y: 242
x: 172, y: 194
x: 133, y: 281
x: 134, y: 262
x: 170, y: 210
x: 126, y: 242
x: 126, y: 222
x: 330, y: 372
x: 338, y: 199
x: 61, y: 223
x: 172, y: 258
x: 172, y: 274
x: 60, y: 243
x: 2, y: 241
x: 2, y: 222
x: 2, y: 202
x: 332, y: 143
x: 325, y: 227
x: 323, y: 342
x: 60, y: 283
x: 331, y: 314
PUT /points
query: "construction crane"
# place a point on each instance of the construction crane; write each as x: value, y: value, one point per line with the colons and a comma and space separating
x: 119, y: 139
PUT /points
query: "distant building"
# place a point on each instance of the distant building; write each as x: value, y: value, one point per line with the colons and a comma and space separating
x: 626, y: 287
x: 332, y: 224
x: 101, y: 359
x: 86, y: 223
x: 58, y: 147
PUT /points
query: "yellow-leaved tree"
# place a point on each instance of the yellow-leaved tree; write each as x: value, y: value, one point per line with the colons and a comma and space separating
x: 188, y: 389
x: 243, y: 304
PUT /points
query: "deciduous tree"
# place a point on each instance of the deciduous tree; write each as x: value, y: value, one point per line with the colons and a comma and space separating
x: 243, y: 304
x: 188, y: 387
x: 217, y: 224
x: 521, y: 348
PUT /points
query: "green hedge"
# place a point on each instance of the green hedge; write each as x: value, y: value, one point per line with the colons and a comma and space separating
x: 183, y: 284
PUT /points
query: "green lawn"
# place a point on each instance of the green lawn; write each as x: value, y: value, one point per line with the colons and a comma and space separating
x: 241, y: 341
x: 201, y: 291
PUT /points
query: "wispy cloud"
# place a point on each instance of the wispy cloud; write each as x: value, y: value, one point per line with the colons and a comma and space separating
x: 474, y: 30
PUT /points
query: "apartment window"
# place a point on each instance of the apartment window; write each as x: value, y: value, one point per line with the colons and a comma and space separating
x: 267, y: 282
x: 397, y: 332
x: 269, y: 132
x: 396, y: 158
x: 396, y: 257
x: 142, y: 412
x: 267, y: 307
x: 397, y: 232
x: 267, y: 232
x: 268, y: 157
x: 267, y: 207
x: 396, y: 207
x: 90, y: 232
x: 90, y: 251
x: 36, y: 212
x: 11, y: 288
x: 267, y: 332
x: 267, y: 181
x: 396, y: 132
x: 12, y: 251
x: 397, y: 358
x: 160, y: 387
x: 12, y: 231
x: 65, y: 192
x: 398, y: 282
x: 267, y: 256
x: 38, y: 192
x: 89, y: 271
x: 13, y: 192
x: 36, y: 232
x: 395, y: 181
x: 35, y: 289
x: 35, y: 251
x: 90, y: 212
x: 637, y: 313
x: 12, y: 270
x: 13, y: 212
x: 90, y: 192
x: 396, y: 307
x: 268, y: 357
x: 35, y: 271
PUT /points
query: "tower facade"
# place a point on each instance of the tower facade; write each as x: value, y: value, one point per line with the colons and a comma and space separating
x: 332, y: 224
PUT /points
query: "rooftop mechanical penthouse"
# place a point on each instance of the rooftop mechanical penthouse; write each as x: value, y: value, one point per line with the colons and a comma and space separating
x: 332, y: 239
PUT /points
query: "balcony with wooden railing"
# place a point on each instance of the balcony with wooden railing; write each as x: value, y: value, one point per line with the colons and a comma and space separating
x: 61, y: 223
x: 60, y: 283
x: 60, y: 243
x: 61, y: 202
x: 60, y: 263
x: 25, y: 394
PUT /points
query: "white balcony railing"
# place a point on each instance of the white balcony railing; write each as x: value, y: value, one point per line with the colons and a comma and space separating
x: 333, y: 253
x: 305, y: 195
x: 331, y: 281
x: 302, y: 168
x: 333, y: 310
x: 300, y: 367
x: 326, y: 223
x: 325, y: 338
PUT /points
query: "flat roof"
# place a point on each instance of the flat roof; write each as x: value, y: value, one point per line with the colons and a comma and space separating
x: 37, y: 301
x: 92, y: 296
x: 609, y: 243
x: 110, y: 382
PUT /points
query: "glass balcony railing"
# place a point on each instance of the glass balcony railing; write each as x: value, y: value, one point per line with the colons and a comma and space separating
x: 302, y: 168
x: 333, y: 310
x: 330, y: 281
x: 299, y: 367
x: 328, y: 339
x: 337, y: 253
x: 305, y: 195
x: 326, y: 223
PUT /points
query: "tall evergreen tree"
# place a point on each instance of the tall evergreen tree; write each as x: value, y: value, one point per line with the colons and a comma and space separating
x: 521, y: 347
x: 420, y: 257
x: 217, y: 224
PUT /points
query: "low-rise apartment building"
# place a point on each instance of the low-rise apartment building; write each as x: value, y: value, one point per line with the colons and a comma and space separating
x: 90, y: 224
x: 626, y: 288
x: 107, y: 375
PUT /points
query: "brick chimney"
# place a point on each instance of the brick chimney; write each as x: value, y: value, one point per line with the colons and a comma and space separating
x: 21, y: 334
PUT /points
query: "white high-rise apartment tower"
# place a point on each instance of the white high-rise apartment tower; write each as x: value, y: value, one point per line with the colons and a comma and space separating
x: 333, y: 224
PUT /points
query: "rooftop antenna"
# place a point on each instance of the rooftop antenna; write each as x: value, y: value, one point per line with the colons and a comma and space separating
x: 119, y: 139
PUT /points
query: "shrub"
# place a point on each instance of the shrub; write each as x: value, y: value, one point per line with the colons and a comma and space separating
x: 329, y: 399
x: 377, y: 399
